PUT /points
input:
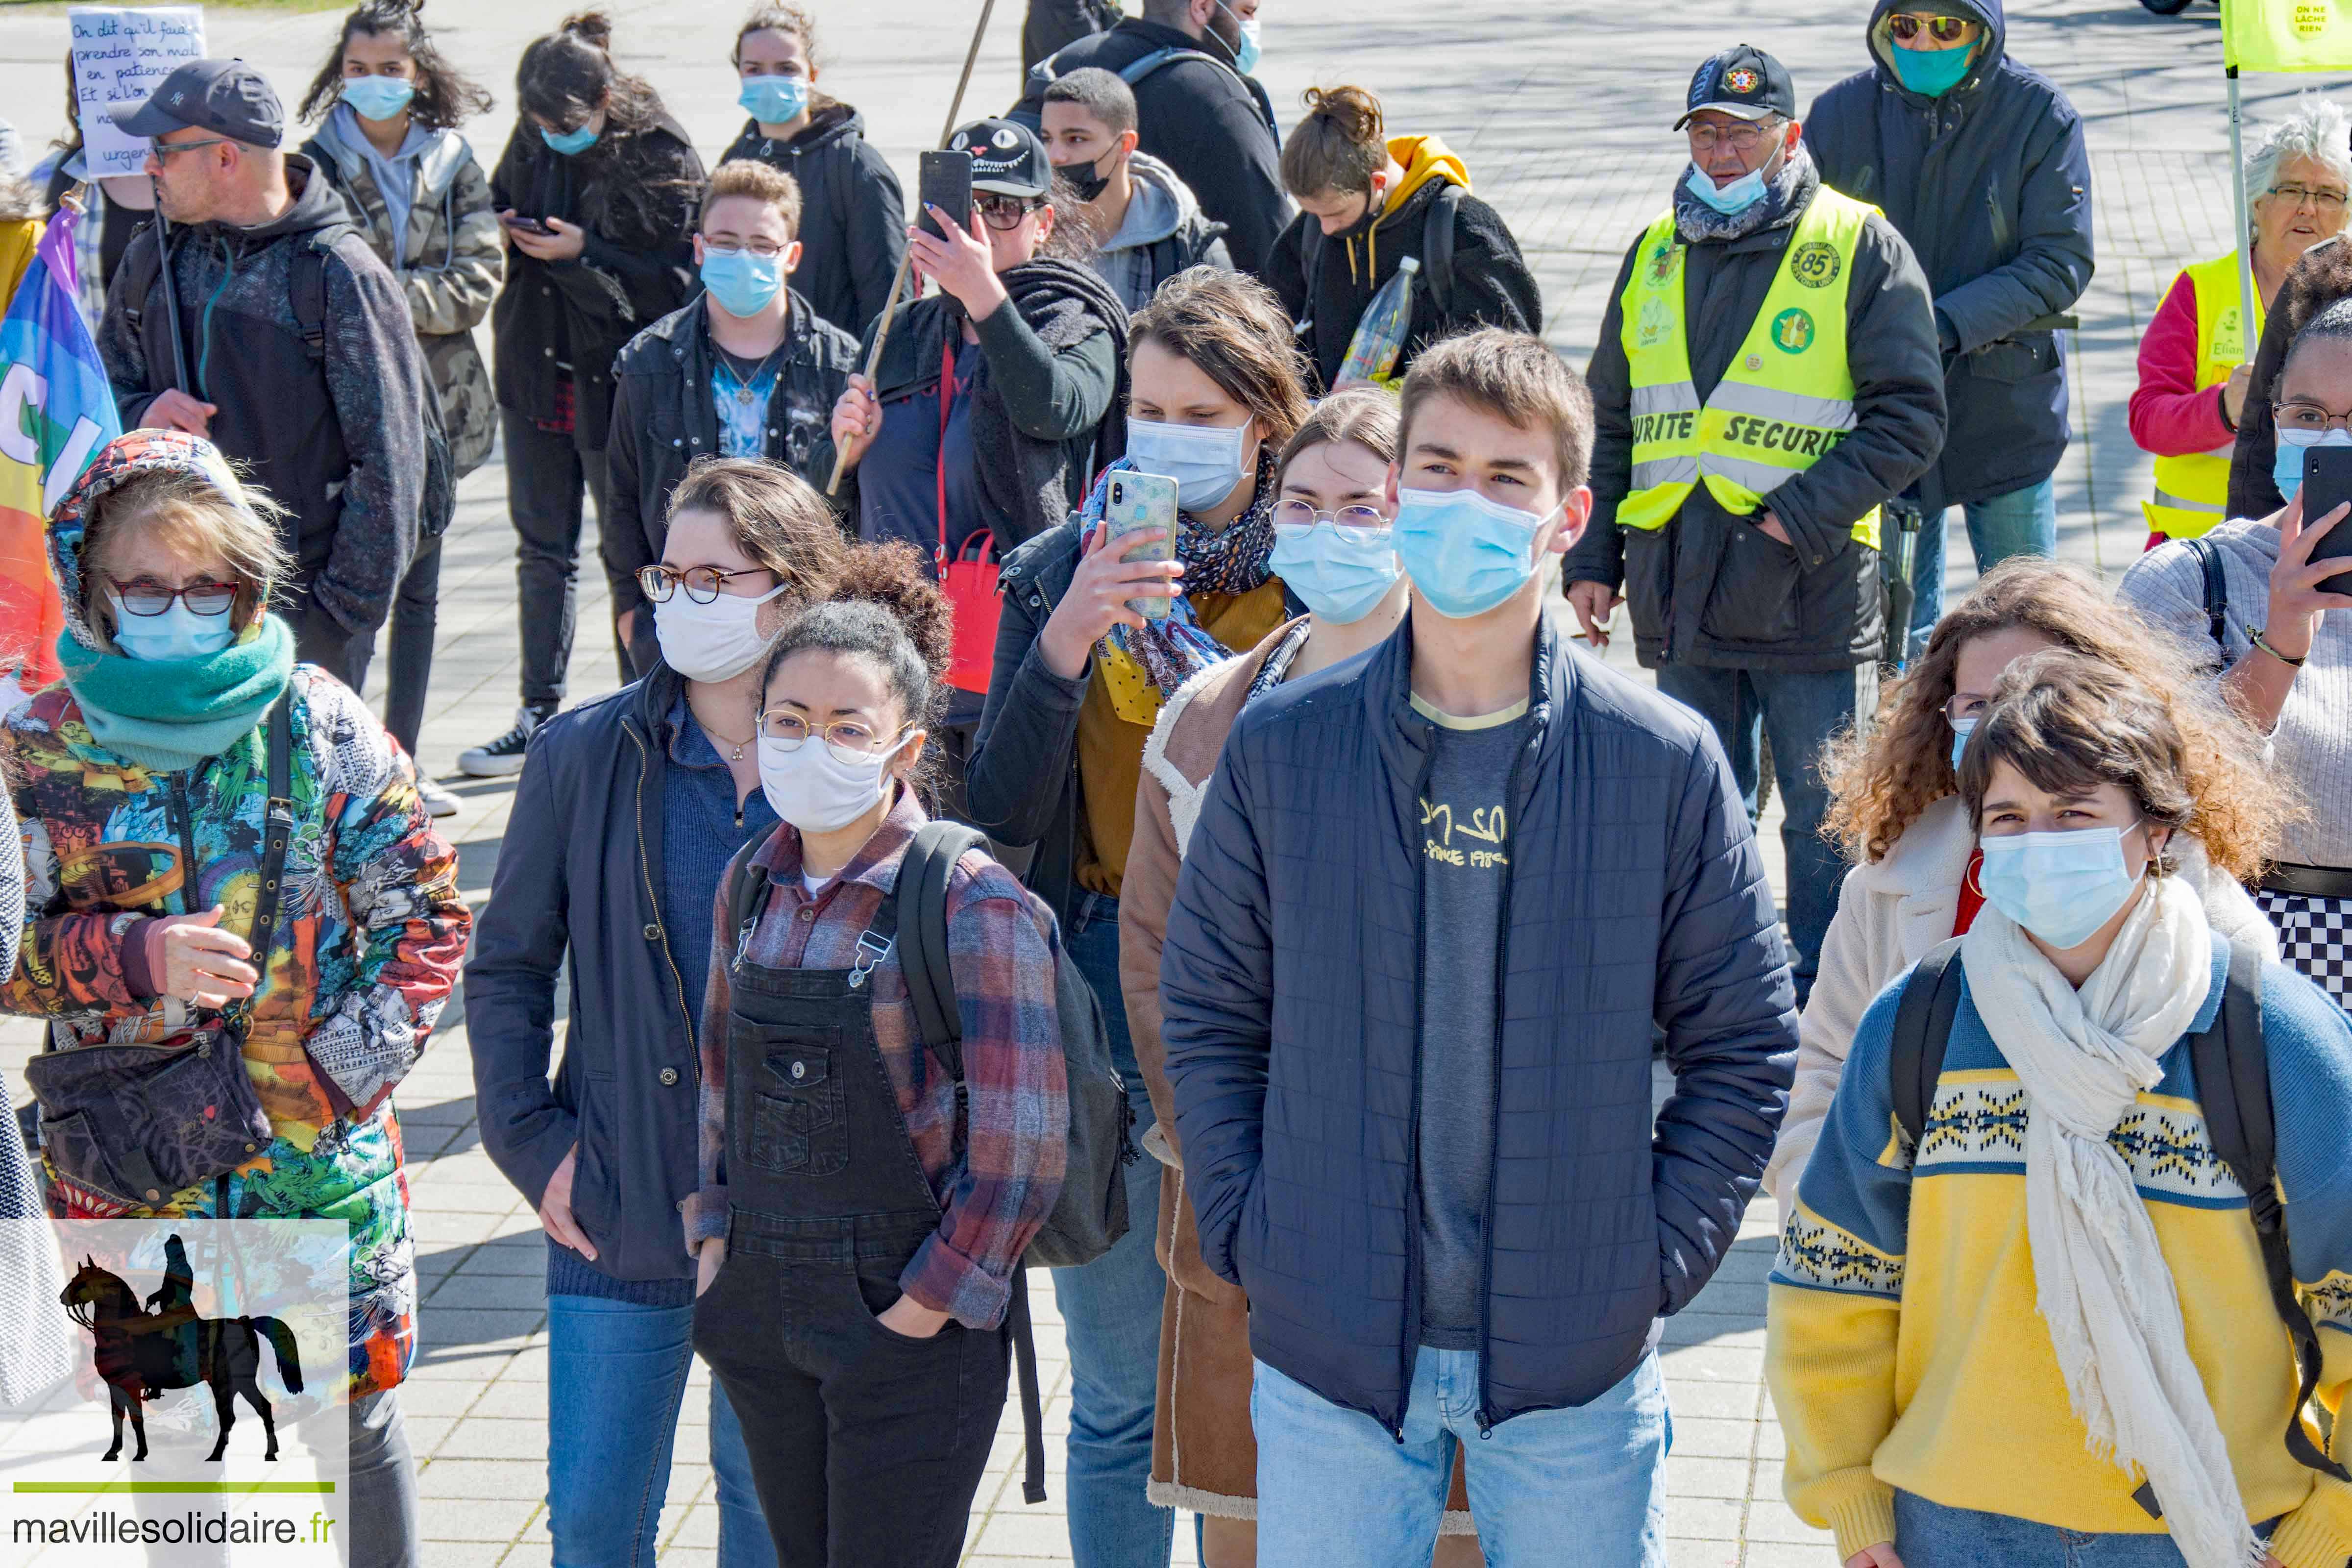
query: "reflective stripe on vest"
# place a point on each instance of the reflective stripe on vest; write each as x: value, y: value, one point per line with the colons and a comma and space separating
x: 2193, y: 491
x: 1787, y: 397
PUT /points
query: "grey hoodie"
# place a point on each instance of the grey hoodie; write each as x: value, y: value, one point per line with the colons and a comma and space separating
x: 1164, y: 232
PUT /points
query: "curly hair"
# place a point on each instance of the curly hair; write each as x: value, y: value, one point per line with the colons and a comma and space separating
x: 444, y: 97
x: 1882, y: 779
x: 2072, y: 722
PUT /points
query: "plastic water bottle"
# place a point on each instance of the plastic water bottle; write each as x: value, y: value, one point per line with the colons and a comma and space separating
x: 1379, y: 335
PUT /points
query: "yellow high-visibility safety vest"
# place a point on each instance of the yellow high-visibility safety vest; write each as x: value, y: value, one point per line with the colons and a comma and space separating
x: 1787, y: 397
x: 2193, y: 492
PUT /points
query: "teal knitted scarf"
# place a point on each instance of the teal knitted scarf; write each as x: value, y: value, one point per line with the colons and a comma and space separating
x: 169, y: 714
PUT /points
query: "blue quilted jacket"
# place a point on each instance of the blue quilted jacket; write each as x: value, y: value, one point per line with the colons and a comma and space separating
x: 1635, y: 893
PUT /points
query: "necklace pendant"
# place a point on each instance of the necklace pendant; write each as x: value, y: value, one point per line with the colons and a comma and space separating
x: 743, y: 396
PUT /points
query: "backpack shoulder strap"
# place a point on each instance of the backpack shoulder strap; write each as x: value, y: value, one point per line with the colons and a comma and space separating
x: 2217, y: 589
x: 2232, y: 1062
x: 306, y: 283
x: 1437, y: 247
x: 1923, y: 1029
x: 922, y: 900
x: 141, y: 266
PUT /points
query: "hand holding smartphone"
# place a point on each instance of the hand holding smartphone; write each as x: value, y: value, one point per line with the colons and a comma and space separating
x: 2327, y: 484
x: 528, y: 226
x: 943, y: 180
x: 1139, y: 501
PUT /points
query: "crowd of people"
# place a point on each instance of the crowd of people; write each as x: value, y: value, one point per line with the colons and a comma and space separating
x: 1123, y: 699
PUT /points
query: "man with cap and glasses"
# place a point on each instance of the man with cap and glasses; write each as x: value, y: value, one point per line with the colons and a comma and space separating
x: 295, y: 354
x: 1766, y: 379
x: 1978, y: 162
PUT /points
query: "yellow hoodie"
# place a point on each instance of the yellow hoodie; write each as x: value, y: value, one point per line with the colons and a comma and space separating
x: 1424, y: 158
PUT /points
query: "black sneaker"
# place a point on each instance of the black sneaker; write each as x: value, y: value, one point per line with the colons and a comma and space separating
x: 503, y: 756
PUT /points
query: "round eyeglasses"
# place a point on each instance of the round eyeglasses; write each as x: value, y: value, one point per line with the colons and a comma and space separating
x: 146, y: 596
x: 851, y: 739
x: 1361, y: 522
x: 702, y: 583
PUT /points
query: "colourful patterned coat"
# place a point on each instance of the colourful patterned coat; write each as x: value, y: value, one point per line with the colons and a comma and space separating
x: 372, y: 931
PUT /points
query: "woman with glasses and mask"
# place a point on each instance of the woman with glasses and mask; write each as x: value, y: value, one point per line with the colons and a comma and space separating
x: 862, y: 1210
x: 2281, y: 639
x: 1080, y: 677
x: 747, y: 369
x: 1895, y: 808
x: 223, y: 848
x: 2195, y: 360
x: 2023, y: 1316
x: 627, y: 811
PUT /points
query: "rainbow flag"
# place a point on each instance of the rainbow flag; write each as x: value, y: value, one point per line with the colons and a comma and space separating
x: 56, y: 413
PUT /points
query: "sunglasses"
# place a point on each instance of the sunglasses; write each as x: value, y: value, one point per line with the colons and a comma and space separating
x: 1943, y: 30
x: 1004, y: 213
x: 146, y: 596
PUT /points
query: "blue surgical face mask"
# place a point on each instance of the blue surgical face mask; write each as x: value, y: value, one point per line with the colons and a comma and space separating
x: 571, y: 143
x: 1248, y: 52
x: 2061, y: 886
x: 773, y: 100
x: 1961, y: 730
x: 1464, y: 553
x: 1730, y: 200
x: 178, y: 633
x: 378, y: 97
x: 1205, y: 460
x: 743, y: 284
x: 1340, y: 575
x: 2286, y: 462
x: 1932, y: 73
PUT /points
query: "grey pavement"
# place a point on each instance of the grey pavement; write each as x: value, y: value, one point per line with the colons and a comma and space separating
x: 1561, y: 111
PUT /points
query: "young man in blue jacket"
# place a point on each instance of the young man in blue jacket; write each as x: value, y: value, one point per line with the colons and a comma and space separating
x: 1435, y: 899
x: 1978, y: 162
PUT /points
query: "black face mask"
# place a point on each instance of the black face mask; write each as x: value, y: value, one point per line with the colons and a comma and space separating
x: 1085, y: 180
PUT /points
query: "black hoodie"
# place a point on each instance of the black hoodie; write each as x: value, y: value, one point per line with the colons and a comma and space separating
x: 853, y: 214
x: 338, y: 439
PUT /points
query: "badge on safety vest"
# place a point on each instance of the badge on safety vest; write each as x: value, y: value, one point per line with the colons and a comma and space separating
x: 1662, y: 262
x: 1657, y: 322
x: 1792, y: 332
x: 1815, y: 264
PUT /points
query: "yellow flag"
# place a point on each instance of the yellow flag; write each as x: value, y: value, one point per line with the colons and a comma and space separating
x: 2287, y: 34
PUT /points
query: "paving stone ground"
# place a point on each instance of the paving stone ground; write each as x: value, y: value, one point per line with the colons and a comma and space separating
x: 1561, y: 111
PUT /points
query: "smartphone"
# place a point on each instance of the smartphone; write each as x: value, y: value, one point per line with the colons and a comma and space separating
x: 943, y: 180
x: 528, y: 226
x: 2326, y: 483
x: 1140, y: 501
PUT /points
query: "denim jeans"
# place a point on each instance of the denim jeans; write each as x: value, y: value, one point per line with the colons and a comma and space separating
x: 1566, y: 1488
x: 2023, y: 523
x: 1111, y: 1316
x: 1929, y: 1535
x: 617, y: 1375
x: 1801, y: 713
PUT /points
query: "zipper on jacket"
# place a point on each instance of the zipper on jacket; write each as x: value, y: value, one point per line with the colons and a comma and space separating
x: 653, y: 900
x: 1486, y: 1415
x: 1408, y: 1342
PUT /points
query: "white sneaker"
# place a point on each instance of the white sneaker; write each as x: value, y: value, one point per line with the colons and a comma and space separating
x: 438, y: 802
x: 503, y: 756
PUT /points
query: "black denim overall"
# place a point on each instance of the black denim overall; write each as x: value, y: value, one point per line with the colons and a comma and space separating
x: 866, y: 1446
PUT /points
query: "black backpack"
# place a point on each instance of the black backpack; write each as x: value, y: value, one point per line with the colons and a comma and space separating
x: 2233, y: 1088
x: 306, y: 288
x: 1091, y: 1214
x: 1436, y: 276
x: 2217, y: 590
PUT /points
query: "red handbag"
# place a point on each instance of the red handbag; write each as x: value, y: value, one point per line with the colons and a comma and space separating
x: 969, y: 579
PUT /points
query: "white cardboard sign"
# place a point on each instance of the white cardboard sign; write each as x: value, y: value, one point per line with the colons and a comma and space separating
x: 119, y: 53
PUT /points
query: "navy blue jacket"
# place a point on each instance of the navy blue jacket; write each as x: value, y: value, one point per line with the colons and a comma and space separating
x: 576, y: 880
x: 1991, y: 185
x: 1635, y: 893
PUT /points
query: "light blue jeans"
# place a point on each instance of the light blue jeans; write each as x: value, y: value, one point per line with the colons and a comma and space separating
x: 1111, y: 1316
x: 616, y: 1376
x: 2023, y: 523
x: 1565, y: 1489
x: 1929, y: 1535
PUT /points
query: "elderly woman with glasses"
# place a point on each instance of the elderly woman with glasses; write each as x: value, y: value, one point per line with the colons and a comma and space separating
x: 626, y: 815
x: 2196, y: 359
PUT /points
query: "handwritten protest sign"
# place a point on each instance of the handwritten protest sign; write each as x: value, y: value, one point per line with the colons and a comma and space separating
x: 119, y: 53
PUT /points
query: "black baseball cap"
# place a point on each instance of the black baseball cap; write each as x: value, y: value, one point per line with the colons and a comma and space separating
x: 227, y: 98
x: 1745, y: 83
x: 1006, y: 157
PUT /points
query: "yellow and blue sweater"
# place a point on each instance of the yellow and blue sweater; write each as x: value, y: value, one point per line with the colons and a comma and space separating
x: 1903, y: 1346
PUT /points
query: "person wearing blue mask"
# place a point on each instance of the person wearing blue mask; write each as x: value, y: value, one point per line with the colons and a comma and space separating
x: 388, y: 102
x: 1461, y: 880
x: 598, y: 190
x: 748, y: 370
x: 1767, y: 380
x: 1978, y: 162
x: 2040, y: 1301
x: 853, y: 227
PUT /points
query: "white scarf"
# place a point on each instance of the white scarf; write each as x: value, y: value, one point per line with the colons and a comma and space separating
x: 2101, y: 1281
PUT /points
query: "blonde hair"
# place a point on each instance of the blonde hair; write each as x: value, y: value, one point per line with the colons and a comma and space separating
x: 196, y: 516
x: 762, y: 183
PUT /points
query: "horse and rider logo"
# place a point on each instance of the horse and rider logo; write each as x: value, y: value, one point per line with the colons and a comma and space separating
x: 1814, y: 264
x: 140, y: 1353
x: 1792, y: 332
